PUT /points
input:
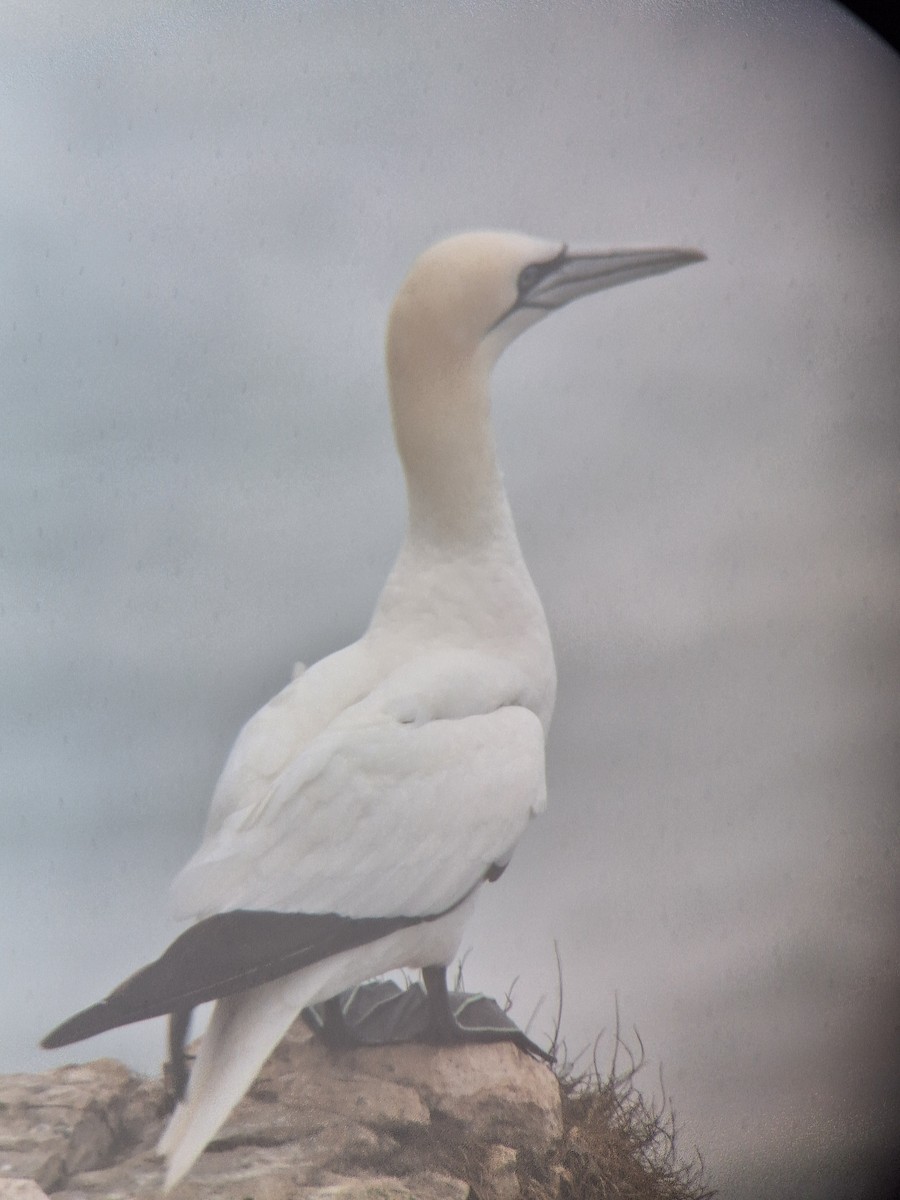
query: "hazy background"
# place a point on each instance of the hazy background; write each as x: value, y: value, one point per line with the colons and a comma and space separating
x: 204, y: 212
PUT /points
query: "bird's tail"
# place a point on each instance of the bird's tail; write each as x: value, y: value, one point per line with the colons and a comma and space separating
x: 247, y: 1026
x: 242, y: 1032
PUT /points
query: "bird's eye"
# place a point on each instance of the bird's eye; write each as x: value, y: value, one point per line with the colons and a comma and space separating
x: 530, y: 275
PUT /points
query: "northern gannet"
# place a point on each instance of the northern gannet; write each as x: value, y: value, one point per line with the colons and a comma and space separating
x: 361, y: 809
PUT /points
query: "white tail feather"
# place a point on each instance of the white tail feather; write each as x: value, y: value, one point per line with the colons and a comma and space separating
x: 242, y: 1033
x: 246, y: 1028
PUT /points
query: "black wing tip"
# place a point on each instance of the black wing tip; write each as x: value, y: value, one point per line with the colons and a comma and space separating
x: 226, y: 953
x: 87, y: 1023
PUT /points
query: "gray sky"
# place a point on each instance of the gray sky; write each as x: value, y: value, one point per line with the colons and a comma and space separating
x: 204, y: 216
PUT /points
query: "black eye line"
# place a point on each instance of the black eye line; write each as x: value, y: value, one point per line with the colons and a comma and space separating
x: 522, y: 300
x: 540, y: 271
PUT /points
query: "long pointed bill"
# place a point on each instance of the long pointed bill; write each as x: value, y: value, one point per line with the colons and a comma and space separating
x: 547, y: 285
x: 576, y: 273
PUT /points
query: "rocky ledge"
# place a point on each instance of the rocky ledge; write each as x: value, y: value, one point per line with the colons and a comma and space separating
x: 387, y: 1123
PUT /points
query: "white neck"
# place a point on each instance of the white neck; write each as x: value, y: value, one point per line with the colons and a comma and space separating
x: 460, y: 578
x: 454, y: 488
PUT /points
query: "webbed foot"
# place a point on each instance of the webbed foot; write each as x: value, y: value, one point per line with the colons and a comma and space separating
x: 382, y: 1014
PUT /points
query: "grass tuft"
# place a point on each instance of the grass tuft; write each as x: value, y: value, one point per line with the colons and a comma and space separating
x: 615, y: 1144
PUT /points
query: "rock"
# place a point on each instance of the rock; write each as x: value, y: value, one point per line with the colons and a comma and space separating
x: 315, y: 1087
x: 419, y: 1187
x: 498, y: 1093
x: 20, y: 1189
x: 76, y: 1118
x: 499, y: 1174
x: 411, y: 1122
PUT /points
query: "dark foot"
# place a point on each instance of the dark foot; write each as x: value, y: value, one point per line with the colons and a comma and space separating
x: 471, y: 1017
x: 374, y: 1014
x: 382, y: 1014
x: 176, y: 1071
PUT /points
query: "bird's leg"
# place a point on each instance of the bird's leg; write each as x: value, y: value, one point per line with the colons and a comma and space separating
x: 461, y: 1017
x: 334, y: 1030
x: 175, y: 1070
x: 442, y: 1021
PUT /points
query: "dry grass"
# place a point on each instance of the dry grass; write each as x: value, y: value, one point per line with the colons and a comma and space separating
x: 615, y: 1144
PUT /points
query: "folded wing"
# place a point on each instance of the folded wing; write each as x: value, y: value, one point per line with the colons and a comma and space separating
x: 398, y: 809
x: 389, y: 819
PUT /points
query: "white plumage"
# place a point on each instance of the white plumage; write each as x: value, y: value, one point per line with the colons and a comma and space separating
x: 389, y: 779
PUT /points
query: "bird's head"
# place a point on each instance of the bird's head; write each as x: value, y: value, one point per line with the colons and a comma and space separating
x: 466, y: 298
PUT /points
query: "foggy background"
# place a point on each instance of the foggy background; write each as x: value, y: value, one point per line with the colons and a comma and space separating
x: 204, y: 212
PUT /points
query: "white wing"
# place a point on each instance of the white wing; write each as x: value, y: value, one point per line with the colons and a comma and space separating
x: 397, y: 808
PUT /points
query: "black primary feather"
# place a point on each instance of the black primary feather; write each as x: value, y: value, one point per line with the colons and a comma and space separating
x: 221, y: 955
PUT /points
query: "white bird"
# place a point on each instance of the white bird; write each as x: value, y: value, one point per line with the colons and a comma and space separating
x: 361, y: 809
